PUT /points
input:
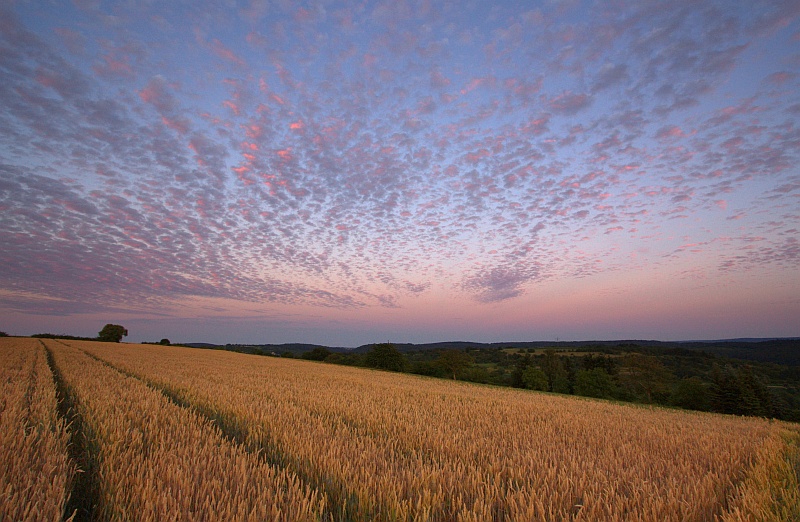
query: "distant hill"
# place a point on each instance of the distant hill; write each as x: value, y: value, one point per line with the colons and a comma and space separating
x: 775, y: 350
x: 294, y: 348
x: 461, y: 345
x: 737, y: 376
x: 772, y: 350
x: 744, y: 340
x: 778, y: 351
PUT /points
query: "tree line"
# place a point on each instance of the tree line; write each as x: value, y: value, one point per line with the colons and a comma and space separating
x: 110, y: 333
x: 673, y: 377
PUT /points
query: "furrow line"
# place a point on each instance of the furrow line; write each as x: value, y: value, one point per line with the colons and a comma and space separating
x: 342, y: 505
x: 85, y: 492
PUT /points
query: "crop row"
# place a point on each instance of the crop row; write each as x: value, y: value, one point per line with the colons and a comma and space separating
x: 385, y: 446
x: 347, y: 444
x: 36, y: 472
x: 154, y: 460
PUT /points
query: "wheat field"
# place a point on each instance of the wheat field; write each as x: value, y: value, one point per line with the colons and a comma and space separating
x: 176, y: 432
x: 36, y: 473
x: 159, y: 461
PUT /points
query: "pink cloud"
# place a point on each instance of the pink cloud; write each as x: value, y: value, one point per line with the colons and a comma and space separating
x: 439, y: 80
x: 113, y: 66
x: 74, y: 41
x: 369, y: 61
x: 221, y: 51
x: 733, y: 144
x: 569, y: 103
x: 522, y: 89
x: 476, y: 83
x: 537, y: 126
x: 609, y: 76
x: 180, y: 125
x: 303, y: 15
x: 254, y: 131
x: 781, y: 77
x: 441, y: 166
x: 476, y: 156
x: 156, y: 94
x: 232, y: 106
x: 669, y: 132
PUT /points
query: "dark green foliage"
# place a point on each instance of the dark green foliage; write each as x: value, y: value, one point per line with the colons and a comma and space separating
x: 454, y: 362
x: 3, y: 334
x: 477, y: 374
x: 112, y: 333
x: 594, y: 383
x: 164, y: 342
x: 287, y: 355
x: 670, y: 374
x: 725, y: 391
x: 781, y: 351
x: 346, y: 359
x: 334, y: 358
x: 740, y: 391
x: 521, y: 363
x: 429, y: 368
x: 317, y: 354
x: 535, y: 379
x: 62, y: 336
x: 557, y: 373
x: 385, y: 356
x: 644, y: 378
x: 691, y: 393
x: 572, y: 370
x: 590, y: 362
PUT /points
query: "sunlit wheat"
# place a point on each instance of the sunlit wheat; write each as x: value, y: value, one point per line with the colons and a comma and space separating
x: 35, y: 470
x: 157, y: 461
x: 399, y: 447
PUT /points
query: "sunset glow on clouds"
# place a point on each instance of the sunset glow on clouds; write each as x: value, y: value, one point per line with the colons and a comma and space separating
x: 345, y: 173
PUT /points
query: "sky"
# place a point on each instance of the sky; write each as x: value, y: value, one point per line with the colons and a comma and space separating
x: 344, y: 173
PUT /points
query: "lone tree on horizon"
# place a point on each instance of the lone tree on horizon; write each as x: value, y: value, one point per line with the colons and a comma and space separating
x: 112, y: 333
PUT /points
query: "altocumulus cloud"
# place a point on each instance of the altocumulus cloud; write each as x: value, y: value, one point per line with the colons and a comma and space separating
x: 375, y: 159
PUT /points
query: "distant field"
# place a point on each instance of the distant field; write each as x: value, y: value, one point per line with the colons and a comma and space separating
x: 168, y: 432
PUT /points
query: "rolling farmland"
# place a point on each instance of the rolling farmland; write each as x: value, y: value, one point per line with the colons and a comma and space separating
x: 172, y: 432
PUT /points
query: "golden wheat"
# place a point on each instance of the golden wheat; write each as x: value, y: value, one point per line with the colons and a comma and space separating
x: 771, y: 491
x: 157, y: 461
x: 36, y: 472
x: 398, y: 447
